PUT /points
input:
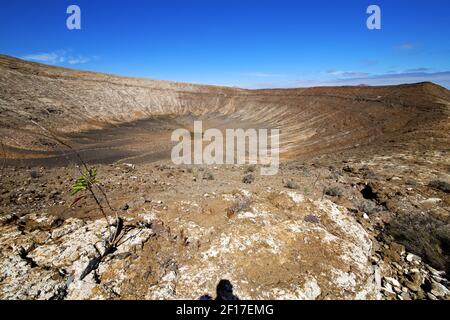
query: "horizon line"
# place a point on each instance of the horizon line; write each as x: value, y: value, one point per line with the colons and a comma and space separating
x: 318, y: 85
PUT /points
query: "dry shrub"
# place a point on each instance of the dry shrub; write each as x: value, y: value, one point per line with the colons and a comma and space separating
x: 424, y: 236
x: 240, y: 203
x: 248, y: 179
x: 440, y: 185
x: 291, y: 185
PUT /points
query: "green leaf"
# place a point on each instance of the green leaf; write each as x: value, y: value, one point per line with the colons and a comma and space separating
x: 85, y: 181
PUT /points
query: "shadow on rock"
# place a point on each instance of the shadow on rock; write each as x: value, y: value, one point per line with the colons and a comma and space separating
x: 224, y: 292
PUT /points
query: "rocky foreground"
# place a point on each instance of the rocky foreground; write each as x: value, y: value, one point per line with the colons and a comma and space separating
x: 314, y: 232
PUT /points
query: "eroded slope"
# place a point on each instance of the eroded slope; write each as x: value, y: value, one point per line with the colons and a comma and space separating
x: 312, y: 120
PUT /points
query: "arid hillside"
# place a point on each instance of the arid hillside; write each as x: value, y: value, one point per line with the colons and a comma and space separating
x: 360, y: 207
x: 312, y: 121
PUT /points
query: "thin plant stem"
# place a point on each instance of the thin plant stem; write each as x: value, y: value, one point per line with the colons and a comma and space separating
x: 4, y: 160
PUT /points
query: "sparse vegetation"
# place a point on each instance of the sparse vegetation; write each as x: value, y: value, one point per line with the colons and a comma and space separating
x: 241, y: 203
x: 333, y: 192
x: 440, y: 185
x: 311, y: 219
x: 34, y: 174
x: 368, y: 206
x: 291, y: 185
x: 4, y: 160
x: 250, y: 169
x: 424, y: 236
x: 248, y: 179
x: 208, y: 176
x: 85, y: 181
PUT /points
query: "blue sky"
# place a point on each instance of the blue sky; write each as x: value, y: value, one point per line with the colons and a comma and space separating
x: 253, y: 44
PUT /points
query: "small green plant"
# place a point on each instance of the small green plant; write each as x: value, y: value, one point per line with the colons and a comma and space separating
x: 4, y: 159
x: 85, y: 181
x: 88, y: 183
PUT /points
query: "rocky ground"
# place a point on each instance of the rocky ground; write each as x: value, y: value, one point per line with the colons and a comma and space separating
x: 315, y: 231
x: 360, y: 208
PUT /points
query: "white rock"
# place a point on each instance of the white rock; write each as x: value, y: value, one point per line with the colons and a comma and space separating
x: 388, y: 288
x: 435, y: 272
x: 392, y: 281
x: 412, y: 257
x: 439, y: 290
x: 431, y: 296
x: 377, y: 276
x: 432, y: 201
x: 297, y: 198
x: 242, y: 250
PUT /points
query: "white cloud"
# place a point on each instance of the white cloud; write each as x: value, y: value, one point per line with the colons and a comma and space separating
x: 418, y: 70
x: 347, y: 74
x: 78, y: 60
x: 57, y: 57
x: 50, y: 58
